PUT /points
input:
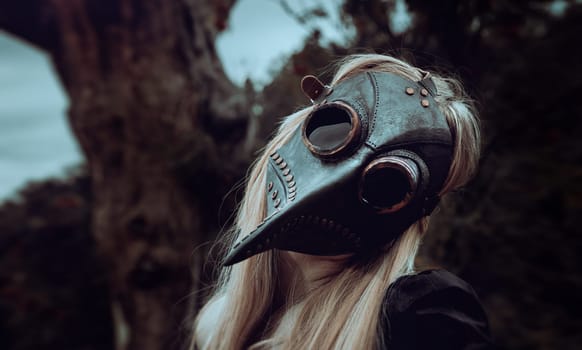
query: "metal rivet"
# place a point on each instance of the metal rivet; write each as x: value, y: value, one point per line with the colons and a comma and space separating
x: 270, y: 186
x: 291, y: 199
x: 249, y: 253
x: 283, y: 165
x: 275, y: 156
x: 330, y: 225
x: 292, y: 189
x: 409, y: 91
x: 278, y: 161
x: 324, y: 222
x: 291, y: 184
x: 277, y: 202
x: 424, y: 103
x: 289, y: 178
x: 424, y: 92
x: 286, y: 172
x: 274, y: 194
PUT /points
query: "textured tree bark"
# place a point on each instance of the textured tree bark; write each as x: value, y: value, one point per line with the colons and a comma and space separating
x: 149, y: 101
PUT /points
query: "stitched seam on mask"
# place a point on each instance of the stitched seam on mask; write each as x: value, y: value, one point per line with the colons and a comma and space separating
x: 362, y: 109
x: 324, y: 222
x: 416, y: 141
x: 376, y: 103
x: 281, y: 180
x: 365, y: 124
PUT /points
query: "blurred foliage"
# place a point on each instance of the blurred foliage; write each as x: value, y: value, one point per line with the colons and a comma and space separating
x: 512, y: 232
x: 53, y: 292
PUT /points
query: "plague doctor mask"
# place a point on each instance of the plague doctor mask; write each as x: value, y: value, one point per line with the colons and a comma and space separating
x: 368, y: 161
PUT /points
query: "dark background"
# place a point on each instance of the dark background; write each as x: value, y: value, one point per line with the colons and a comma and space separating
x: 75, y: 251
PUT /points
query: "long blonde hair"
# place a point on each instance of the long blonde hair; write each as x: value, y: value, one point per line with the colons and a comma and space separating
x: 345, y: 312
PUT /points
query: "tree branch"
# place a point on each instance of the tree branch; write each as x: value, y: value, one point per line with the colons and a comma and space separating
x: 31, y: 20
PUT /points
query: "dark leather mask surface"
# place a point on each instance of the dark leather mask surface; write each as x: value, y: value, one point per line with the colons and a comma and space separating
x: 314, y: 202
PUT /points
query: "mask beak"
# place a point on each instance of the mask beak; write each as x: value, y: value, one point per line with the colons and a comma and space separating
x: 302, y: 213
x: 359, y: 171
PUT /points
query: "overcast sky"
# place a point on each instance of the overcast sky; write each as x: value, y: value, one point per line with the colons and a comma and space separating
x: 260, y: 34
x: 35, y: 139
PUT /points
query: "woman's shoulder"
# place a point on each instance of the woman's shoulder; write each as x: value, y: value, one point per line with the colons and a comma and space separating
x: 409, y: 289
x: 434, y: 309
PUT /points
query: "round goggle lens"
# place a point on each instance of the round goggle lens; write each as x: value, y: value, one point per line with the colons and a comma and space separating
x: 389, y: 183
x: 330, y: 129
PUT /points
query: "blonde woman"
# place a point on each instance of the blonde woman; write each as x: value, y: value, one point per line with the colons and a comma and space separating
x: 321, y: 254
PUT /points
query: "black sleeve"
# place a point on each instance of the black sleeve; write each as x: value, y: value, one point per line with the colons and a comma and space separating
x: 434, y: 310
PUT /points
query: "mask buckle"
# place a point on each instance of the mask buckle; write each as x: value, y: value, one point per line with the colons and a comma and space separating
x: 427, y: 83
x: 313, y: 88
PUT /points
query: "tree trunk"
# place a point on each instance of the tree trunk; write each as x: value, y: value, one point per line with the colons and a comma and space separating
x: 149, y: 101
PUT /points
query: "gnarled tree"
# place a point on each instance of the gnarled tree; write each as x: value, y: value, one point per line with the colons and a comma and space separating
x: 157, y: 120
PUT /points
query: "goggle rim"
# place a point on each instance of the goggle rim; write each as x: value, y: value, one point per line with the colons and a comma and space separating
x: 400, y: 164
x: 352, y: 137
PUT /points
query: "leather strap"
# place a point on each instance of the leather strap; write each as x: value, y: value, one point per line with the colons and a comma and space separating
x: 428, y: 83
x: 313, y: 88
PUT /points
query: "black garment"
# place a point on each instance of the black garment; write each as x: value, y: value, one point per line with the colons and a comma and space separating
x: 434, y: 310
